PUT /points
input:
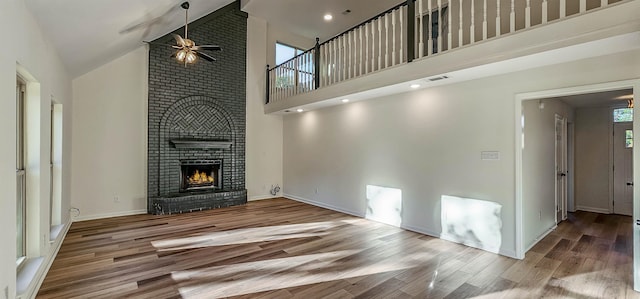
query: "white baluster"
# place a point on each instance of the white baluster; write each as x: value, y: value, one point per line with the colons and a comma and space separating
x: 393, y: 37
x: 429, y: 29
x: 277, y: 75
x: 360, y: 30
x: 310, y: 71
x: 484, y: 20
x: 334, y: 61
x: 420, y: 27
x: 603, y: 3
x: 373, y: 45
x: 439, y: 13
x: 472, y: 28
x: 344, y: 62
x: 527, y: 15
x: 338, y: 63
x: 330, y: 70
x: 401, y: 56
x: 583, y: 6
x: 498, y: 25
x: 366, y: 48
x: 323, y: 65
x: 512, y: 17
x: 563, y: 8
x: 460, y: 40
x: 386, y: 40
x: 379, y: 43
x: 292, y: 77
x: 336, y: 51
x: 545, y: 11
x: 449, y: 37
x: 354, y: 54
x: 349, y: 51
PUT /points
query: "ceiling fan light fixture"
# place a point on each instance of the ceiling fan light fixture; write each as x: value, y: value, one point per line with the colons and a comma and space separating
x: 181, y: 55
x: 191, y: 57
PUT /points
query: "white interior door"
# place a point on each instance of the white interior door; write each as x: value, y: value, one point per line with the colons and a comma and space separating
x: 623, y: 168
x: 561, y: 168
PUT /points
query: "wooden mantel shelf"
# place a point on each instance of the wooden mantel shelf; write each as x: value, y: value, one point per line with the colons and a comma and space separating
x: 200, y: 144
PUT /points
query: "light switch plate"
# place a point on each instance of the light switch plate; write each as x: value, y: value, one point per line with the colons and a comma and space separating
x: 490, y: 155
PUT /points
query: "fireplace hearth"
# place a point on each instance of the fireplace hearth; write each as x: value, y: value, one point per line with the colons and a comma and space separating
x: 200, y: 175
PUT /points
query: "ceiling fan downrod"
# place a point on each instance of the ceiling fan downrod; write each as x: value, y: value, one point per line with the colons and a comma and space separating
x: 185, y: 6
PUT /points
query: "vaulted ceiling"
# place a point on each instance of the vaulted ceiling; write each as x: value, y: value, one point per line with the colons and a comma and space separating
x: 88, y: 34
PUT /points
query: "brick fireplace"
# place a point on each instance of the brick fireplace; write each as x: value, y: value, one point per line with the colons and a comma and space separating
x: 196, y: 129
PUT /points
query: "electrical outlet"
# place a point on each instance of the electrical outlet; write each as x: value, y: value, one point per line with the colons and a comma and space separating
x: 116, y: 198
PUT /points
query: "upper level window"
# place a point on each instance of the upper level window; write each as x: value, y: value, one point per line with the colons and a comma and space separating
x: 622, y: 115
x: 284, y: 53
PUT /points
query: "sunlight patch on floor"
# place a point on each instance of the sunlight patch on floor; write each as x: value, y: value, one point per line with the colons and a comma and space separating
x: 274, y: 274
x: 250, y: 235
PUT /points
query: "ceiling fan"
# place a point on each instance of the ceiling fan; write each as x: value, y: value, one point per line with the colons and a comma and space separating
x: 187, y: 51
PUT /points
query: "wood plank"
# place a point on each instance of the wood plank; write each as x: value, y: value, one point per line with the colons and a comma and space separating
x: 280, y: 248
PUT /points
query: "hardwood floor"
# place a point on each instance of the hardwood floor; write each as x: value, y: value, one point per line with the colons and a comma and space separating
x: 284, y: 249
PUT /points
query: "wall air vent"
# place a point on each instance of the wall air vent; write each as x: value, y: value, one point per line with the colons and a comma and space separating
x: 437, y: 78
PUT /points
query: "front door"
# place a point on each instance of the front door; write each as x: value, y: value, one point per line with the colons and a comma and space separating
x: 623, y: 168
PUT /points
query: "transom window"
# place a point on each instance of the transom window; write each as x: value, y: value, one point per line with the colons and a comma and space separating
x: 622, y: 115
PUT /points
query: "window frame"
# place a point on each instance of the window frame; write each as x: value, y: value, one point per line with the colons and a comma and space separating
x: 21, y: 198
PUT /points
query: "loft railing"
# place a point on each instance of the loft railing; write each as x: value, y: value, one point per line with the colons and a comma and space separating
x: 392, y: 37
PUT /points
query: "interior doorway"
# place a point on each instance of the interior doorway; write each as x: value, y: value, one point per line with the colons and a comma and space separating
x: 627, y: 88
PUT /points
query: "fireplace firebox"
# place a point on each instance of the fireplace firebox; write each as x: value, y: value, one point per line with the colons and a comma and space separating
x: 200, y: 175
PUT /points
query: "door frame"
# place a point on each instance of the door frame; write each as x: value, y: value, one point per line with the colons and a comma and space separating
x: 633, y: 84
x: 561, y: 203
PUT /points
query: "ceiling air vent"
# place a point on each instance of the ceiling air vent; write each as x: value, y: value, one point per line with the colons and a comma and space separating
x: 437, y: 78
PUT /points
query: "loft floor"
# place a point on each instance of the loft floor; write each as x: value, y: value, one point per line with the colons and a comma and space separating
x: 280, y: 248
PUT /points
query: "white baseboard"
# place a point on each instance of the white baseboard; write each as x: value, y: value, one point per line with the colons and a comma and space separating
x: 323, y: 205
x: 502, y: 251
x: 536, y: 240
x: 261, y: 197
x: 32, y: 289
x: 594, y: 210
x: 420, y: 230
x: 109, y: 215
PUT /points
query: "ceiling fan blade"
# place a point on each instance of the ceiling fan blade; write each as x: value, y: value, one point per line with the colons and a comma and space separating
x: 179, y: 40
x: 205, y: 56
x: 207, y: 47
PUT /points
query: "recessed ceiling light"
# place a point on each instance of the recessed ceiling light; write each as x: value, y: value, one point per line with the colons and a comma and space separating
x: 328, y: 17
x: 345, y: 100
x: 300, y: 110
x: 414, y: 86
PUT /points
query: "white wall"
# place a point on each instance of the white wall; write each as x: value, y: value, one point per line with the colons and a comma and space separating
x: 110, y: 137
x: 592, y: 139
x: 538, y: 166
x: 36, y: 55
x: 427, y: 143
x: 264, y: 132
